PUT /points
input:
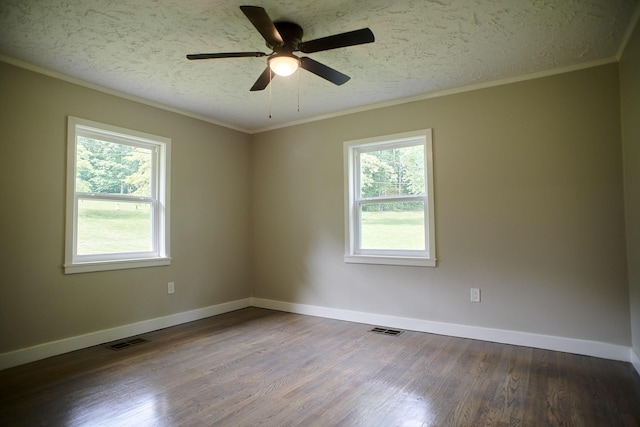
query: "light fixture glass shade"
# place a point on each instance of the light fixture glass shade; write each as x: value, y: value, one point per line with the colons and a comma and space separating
x: 283, y: 65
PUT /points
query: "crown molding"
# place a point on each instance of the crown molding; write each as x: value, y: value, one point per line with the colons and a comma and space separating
x: 109, y: 91
x: 375, y: 106
x: 446, y: 92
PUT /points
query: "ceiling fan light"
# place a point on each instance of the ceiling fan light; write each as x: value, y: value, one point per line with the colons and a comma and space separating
x: 283, y: 65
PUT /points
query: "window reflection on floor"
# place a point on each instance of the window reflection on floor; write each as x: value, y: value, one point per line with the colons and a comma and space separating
x: 407, y: 409
x: 145, y: 409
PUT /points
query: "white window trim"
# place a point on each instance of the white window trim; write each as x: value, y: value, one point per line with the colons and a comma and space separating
x: 407, y: 258
x: 162, y: 147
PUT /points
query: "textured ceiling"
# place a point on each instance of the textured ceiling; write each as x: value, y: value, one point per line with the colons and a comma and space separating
x: 139, y: 47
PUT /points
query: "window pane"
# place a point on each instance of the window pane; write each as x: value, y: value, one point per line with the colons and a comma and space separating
x: 397, y: 225
x: 392, y: 172
x: 112, y: 227
x: 110, y: 168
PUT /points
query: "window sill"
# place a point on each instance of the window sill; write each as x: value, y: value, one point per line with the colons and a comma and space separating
x: 389, y: 260
x: 87, y: 267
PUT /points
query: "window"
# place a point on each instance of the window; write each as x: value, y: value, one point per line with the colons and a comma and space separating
x: 117, y: 198
x: 389, y: 200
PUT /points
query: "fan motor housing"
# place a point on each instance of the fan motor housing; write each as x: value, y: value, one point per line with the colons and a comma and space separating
x: 291, y: 34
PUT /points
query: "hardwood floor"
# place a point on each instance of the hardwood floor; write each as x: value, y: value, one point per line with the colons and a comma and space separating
x: 260, y: 367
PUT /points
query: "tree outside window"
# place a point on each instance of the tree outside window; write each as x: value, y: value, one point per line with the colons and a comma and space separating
x: 390, y: 200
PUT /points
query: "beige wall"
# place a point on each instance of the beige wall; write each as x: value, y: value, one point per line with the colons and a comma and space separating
x: 529, y: 208
x: 209, y: 233
x: 630, y: 89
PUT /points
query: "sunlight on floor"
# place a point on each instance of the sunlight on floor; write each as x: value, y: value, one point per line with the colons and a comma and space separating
x: 407, y: 409
x: 138, y: 410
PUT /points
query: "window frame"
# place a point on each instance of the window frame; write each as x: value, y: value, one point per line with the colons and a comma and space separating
x: 159, y: 199
x: 353, y: 252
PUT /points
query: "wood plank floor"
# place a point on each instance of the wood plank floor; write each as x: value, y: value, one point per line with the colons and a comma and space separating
x: 261, y: 367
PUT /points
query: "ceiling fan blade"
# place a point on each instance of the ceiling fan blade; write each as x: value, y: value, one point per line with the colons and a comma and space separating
x: 327, y: 73
x: 260, y: 19
x: 351, y: 38
x: 225, y: 55
x: 263, y: 81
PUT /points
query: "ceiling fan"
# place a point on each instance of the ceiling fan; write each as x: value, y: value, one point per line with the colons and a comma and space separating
x: 284, y: 38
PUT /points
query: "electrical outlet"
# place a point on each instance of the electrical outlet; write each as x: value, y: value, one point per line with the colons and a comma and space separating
x: 171, y: 287
x: 475, y: 295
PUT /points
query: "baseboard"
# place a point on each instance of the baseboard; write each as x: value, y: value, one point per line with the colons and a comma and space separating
x: 569, y: 345
x: 635, y: 360
x: 42, y: 351
x: 547, y: 342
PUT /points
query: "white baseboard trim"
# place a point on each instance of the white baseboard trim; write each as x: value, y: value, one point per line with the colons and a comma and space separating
x: 42, y: 351
x: 635, y: 358
x: 547, y: 342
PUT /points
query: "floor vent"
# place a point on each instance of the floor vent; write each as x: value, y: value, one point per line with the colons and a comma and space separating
x: 125, y: 344
x: 385, y: 331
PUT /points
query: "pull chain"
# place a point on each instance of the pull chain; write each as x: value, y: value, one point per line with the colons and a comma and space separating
x: 271, y: 93
x: 270, y: 84
x: 298, y: 90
